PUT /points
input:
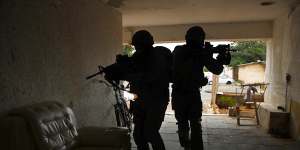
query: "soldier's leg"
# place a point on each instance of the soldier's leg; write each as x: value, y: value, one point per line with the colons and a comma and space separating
x: 183, y: 131
x: 139, y: 137
x: 152, y: 134
x: 181, y: 115
x: 196, y: 135
x: 154, y: 119
x: 138, y: 131
x: 195, y: 115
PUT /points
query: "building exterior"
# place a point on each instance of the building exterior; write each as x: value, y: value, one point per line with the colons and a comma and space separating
x: 250, y: 73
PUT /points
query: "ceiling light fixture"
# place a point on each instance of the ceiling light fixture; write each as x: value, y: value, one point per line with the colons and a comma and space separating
x: 115, y: 3
x: 267, y: 3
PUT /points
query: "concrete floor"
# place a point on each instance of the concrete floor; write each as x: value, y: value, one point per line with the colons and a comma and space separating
x: 220, y: 132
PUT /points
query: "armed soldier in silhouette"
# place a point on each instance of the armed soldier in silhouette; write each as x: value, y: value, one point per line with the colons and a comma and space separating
x: 149, y: 73
x: 188, y: 77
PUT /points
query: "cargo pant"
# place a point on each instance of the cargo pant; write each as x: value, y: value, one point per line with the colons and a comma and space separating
x: 147, y: 122
x: 187, y: 105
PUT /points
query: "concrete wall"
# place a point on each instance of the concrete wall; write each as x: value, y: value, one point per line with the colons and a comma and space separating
x: 214, y: 31
x: 48, y: 47
x: 228, y: 71
x: 283, y: 56
x: 252, y: 73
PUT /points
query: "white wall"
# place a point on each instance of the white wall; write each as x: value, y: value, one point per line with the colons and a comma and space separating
x: 283, y: 56
x: 48, y: 47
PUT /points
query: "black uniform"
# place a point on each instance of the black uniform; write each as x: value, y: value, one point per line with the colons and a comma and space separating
x: 152, y: 88
x: 148, y: 72
x: 188, y: 77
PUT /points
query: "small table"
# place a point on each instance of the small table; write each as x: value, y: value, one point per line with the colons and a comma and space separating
x: 252, y: 97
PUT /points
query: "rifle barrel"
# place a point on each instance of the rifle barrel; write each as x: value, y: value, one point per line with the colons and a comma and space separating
x: 93, y: 75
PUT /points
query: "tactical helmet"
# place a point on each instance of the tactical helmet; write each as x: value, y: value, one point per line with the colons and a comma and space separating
x: 142, y: 38
x: 195, y: 34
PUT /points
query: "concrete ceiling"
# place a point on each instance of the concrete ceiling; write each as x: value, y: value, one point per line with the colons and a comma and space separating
x: 170, y: 12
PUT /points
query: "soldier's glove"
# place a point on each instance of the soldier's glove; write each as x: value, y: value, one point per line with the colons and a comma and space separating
x: 224, y: 57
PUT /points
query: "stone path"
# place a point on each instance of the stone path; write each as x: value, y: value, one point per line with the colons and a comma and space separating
x: 220, y: 132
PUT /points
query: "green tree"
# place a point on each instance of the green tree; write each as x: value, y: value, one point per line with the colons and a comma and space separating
x: 128, y: 50
x: 248, y: 51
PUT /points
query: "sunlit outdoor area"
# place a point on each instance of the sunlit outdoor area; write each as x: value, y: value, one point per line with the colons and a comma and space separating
x: 250, y: 55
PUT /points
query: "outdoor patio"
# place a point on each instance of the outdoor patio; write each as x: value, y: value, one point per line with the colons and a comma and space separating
x: 221, y: 132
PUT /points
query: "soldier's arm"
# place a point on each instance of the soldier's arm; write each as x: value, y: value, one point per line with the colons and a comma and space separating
x: 122, y: 71
x: 224, y: 58
x: 214, y: 66
x: 114, y: 72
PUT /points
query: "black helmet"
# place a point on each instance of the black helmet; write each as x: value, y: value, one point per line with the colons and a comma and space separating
x: 195, y: 35
x: 142, y: 38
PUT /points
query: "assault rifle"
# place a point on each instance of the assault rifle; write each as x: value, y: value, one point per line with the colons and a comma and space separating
x: 222, y: 48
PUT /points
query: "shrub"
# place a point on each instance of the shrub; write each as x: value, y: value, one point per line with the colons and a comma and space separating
x: 227, y: 101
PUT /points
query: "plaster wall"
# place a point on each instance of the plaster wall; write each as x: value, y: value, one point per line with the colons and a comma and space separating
x: 252, y: 73
x: 48, y: 47
x: 228, y: 71
x: 283, y: 56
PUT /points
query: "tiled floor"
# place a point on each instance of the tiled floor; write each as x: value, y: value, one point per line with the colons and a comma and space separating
x: 220, y: 132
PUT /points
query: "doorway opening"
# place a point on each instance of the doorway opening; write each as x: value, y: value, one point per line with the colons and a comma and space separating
x: 247, y: 66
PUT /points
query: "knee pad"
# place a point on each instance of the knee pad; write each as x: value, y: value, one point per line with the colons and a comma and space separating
x: 183, y: 125
x: 196, y: 123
